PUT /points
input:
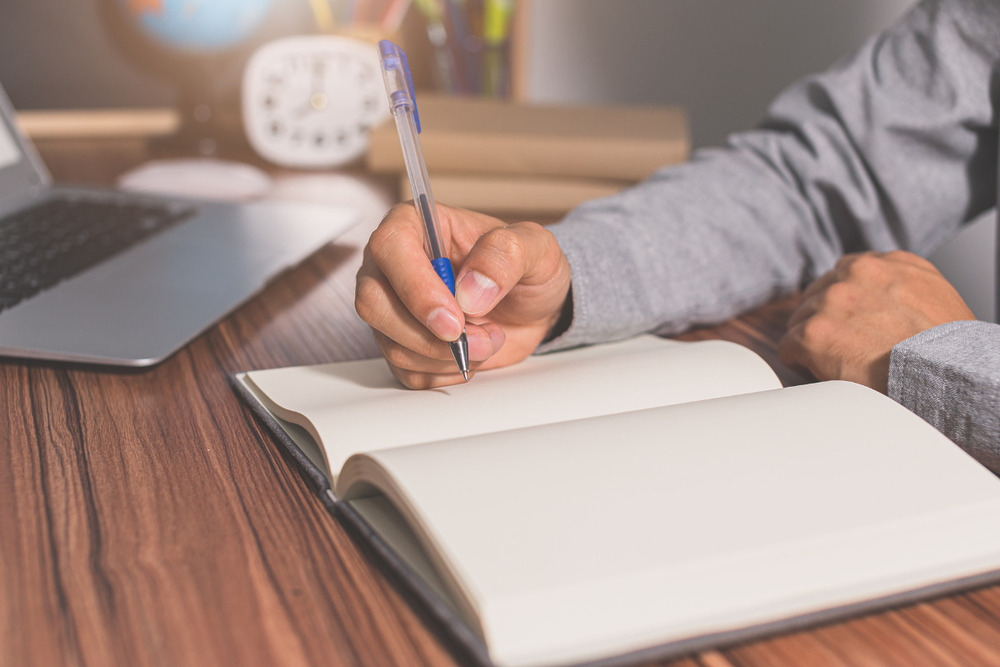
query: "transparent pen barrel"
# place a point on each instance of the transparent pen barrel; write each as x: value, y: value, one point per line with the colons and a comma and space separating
x: 423, y: 199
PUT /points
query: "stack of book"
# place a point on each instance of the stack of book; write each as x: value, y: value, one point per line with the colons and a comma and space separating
x: 510, y: 159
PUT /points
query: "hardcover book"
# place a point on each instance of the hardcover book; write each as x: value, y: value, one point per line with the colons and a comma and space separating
x: 487, y: 136
x: 514, y: 195
x: 634, y: 500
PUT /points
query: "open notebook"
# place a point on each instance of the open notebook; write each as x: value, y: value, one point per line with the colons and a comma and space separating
x: 638, y: 499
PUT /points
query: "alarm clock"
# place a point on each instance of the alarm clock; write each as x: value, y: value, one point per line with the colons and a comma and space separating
x: 310, y: 100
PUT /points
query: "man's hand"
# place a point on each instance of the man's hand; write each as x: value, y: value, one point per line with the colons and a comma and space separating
x: 510, y: 285
x: 851, y: 317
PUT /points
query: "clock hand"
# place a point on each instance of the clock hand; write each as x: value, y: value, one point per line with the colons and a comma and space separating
x: 317, y: 102
x: 318, y: 71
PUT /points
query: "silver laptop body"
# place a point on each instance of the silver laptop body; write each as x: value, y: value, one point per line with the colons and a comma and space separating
x: 142, y: 304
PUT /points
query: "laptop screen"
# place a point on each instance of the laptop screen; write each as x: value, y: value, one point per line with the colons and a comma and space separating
x: 23, y: 176
x: 9, y: 153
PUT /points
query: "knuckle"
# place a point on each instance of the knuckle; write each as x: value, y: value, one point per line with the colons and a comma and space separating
x: 409, y: 379
x: 396, y: 355
x: 839, y: 294
x: 815, y: 331
x: 505, y: 242
x: 380, y: 237
x: 867, y: 266
x: 387, y: 230
x: 861, y: 263
x: 536, y: 233
x: 412, y: 379
x: 415, y: 359
x: 398, y: 209
x: 532, y: 228
x: 366, y: 295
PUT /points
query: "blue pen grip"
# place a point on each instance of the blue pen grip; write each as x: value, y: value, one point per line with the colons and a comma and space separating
x: 443, y: 267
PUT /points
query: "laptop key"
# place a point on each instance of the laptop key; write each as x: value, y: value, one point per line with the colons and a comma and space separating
x: 60, y: 237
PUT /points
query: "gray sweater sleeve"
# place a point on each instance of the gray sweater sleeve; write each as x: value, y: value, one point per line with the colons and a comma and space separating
x: 950, y: 376
x: 893, y: 147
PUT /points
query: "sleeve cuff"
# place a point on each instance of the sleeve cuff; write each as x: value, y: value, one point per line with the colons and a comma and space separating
x: 950, y: 376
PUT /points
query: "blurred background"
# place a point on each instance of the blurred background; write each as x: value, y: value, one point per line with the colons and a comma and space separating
x: 721, y: 60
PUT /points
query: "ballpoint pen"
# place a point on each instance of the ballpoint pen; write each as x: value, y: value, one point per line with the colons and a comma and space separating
x: 402, y: 103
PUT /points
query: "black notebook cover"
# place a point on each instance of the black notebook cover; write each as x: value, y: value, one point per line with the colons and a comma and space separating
x: 455, y: 635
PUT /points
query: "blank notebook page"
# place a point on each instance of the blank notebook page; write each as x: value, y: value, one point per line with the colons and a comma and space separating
x: 624, y: 531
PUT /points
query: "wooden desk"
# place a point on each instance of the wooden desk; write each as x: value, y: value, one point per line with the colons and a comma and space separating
x: 147, y: 519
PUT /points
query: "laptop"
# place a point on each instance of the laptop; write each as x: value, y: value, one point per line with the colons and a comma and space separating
x: 109, y: 276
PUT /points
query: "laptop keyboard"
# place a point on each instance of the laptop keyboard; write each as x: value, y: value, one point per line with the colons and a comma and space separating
x: 59, y: 237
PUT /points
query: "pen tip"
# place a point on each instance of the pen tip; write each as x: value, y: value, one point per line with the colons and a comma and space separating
x: 460, y: 350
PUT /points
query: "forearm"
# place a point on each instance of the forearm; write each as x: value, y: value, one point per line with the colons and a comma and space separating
x: 950, y: 376
x: 894, y: 147
x: 687, y: 246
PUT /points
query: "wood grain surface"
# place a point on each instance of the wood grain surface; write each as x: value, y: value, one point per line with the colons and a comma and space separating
x: 146, y: 518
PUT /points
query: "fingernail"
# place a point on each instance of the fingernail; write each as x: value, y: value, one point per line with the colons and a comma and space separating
x: 475, y: 293
x: 483, y: 345
x: 444, y: 324
x: 497, y: 338
x: 480, y: 346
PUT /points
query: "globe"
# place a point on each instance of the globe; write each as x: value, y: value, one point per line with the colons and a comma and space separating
x: 199, y: 48
x: 197, y: 25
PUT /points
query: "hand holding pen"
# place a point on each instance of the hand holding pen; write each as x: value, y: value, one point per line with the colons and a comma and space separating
x: 402, y: 103
x: 510, y: 290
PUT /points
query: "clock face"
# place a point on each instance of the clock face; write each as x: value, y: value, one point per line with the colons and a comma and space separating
x: 310, y: 101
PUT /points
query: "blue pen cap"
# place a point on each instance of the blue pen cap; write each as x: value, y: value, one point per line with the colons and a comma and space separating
x: 398, y: 82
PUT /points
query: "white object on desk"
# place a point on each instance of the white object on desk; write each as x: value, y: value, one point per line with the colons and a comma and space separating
x: 368, y: 197
x: 203, y: 178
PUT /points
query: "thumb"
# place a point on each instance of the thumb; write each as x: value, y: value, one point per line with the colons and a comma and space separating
x: 502, y: 258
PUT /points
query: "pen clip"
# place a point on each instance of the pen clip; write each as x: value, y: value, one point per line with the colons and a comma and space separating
x: 394, y: 58
x: 413, y: 95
